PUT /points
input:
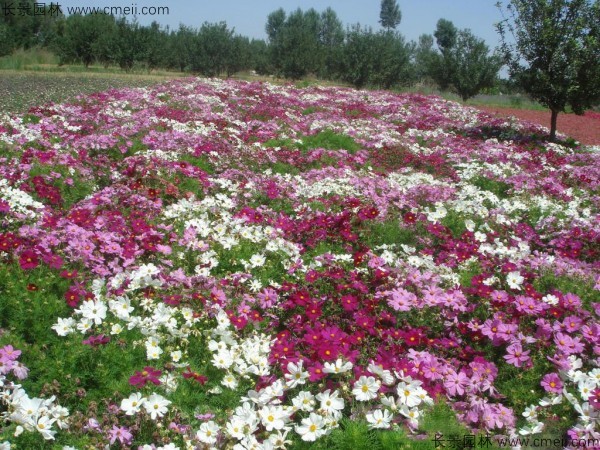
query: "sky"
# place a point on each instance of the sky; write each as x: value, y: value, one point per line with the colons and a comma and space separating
x: 248, y: 17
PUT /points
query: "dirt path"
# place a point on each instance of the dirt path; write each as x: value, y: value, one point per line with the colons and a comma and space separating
x: 586, y: 128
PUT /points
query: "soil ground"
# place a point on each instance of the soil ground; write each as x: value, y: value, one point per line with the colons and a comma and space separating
x: 585, y: 129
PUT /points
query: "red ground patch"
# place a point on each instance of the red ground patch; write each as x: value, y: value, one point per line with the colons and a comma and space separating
x: 586, y: 128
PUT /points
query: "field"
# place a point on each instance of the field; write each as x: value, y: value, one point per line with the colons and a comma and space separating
x: 231, y: 264
x: 21, y: 90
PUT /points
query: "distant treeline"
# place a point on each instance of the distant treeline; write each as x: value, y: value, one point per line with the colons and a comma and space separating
x: 298, y: 44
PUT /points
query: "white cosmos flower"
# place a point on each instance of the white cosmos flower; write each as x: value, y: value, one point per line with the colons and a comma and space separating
x: 235, y: 428
x: 366, y: 388
x: 385, y: 375
x: 273, y: 417
x: 132, y: 404
x: 156, y: 406
x: 410, y: 394
x: 93, y: 310
x: 296, y: 375
x: 208, y: 432
x: 412, y: 414
x: 44, y: 426
x: 391, y: 403
x: 257, y: 260
x: 379, y: 418
x: 514, y: 280
x: 331, y: 402
x: 338, y: 367
x: 312, y: 428
x: 64, y: 326
x: 279, y: 440
x: 230, y: 381
x: 304, y: 401
x: 223, y: 359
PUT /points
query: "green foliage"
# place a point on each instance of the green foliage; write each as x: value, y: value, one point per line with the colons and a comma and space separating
x: 358, y: 56
x: 463, y: 63
x: 329, y: 140
x: 472, y: 68
x: 378, y: 59
x: 213, y: 47
x: 331, y: 39
x: 445, y: 35
x: 295, y: 47
x: 554, y: 52
x: 20, y: 28
x: 390, y: 232
x: 423, y: 55
x: 389, y: 15
x: 498, y: 188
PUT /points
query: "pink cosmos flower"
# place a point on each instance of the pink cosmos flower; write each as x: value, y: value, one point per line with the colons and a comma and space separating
x: 567, y: 344
x: 121, y: 434
x: 552, y: 383
x: 594, y: 399
x: 455, y: 382
x: 516, y: 355
x: 401, y: 300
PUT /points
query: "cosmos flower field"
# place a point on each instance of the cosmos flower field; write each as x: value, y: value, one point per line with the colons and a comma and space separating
x: 223, y: 264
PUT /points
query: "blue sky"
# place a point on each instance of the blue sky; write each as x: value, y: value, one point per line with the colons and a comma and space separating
x: 248, y: 17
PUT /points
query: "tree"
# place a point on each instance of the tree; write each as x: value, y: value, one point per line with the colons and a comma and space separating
x: 423, y: 56
x: 213, y: 48
x: 440, y: 65
x: 181, y: 45
x: 445, y: 35
x: 358, y: 57
x: 473, y: 69
x: 555, y: 56
x: 294, y: 42
x: 331, y: 39
x: 391, y: 64
x: 80, y: 33
x: 389, y: 15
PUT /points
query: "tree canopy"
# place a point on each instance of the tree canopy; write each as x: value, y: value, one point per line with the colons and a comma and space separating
x: 552, y: 49
x: 390, y: 15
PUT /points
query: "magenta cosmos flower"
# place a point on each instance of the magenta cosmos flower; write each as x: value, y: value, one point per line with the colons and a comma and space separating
x: 149, y: 374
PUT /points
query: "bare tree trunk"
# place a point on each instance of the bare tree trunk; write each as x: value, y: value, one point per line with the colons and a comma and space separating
x: 553, y: 125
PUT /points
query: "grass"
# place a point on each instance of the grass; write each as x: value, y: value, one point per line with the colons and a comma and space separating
x: 21, y: 90
x: 33, y: 77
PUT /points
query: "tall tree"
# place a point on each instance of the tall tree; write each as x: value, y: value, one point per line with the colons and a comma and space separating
x: 441, y: 66
x: 389, y: 15
x: 213, y: 48
x: 423, y: 56
x: 445, y: 35
x: 473, y: 68
x: 358, y: 56
x: 331, y: 39
x: 552, y: 49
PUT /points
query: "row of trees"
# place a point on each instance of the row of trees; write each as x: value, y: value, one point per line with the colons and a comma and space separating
x: 211, y: 50
x: 298, y: 44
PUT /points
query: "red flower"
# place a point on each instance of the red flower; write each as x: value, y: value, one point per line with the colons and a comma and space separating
x: 149, y: 374
x: 239, y: 322
x: 172, y: 299
x: 95, y: 341
x: 409, y: 217
x: 28, y: 260
x: 72, y: 297
x: 191, y: 375
x: 68, y: 274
